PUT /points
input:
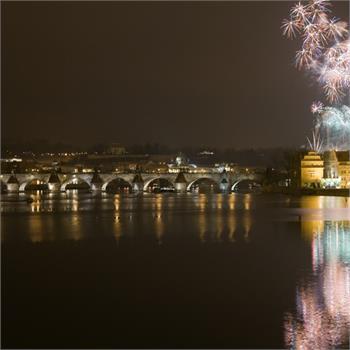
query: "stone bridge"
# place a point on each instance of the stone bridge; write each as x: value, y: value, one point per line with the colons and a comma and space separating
x: 181, y: 182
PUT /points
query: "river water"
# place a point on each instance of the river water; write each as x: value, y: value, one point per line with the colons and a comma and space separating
x: 175, y: 271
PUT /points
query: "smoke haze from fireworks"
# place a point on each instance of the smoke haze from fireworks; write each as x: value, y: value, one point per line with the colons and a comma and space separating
x: 332, y: 129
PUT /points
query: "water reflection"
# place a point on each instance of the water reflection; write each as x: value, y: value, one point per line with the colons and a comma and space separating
x: 75, y: 214
x: 322, y: 313
x: 322, y: 318
x: 247, y: 225
x: 232, y: 224
x: 117, y: 229
x: 36, y: 232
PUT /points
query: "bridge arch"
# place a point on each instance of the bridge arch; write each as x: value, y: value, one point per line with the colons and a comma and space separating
x: 75, y: 182
x: 118, y: 183
x: 236, y: 183
x: 3, y: 186
x: 203, y: 179
x: 157, y: 183
x: 36, y: 183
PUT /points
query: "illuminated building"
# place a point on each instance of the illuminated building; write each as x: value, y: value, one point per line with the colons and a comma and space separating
x: 344, y: 168
x: 332, y: 170
x: 311, y: 170
x: 336, y: 169
x: 331, y: 177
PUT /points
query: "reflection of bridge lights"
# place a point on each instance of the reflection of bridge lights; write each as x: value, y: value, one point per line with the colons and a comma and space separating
x: 202, y: 225
x: 117, y: 229
x: 247, y: 201
x: 219, y: 201
x: 219, y: 227
x: 36, y: 232
x: 202, y: 201
x: 35, y: 206
x: 159, y: 203
x: 231, y: 222
x: 232, y: 201
x: 159, y: 228
x: 247, y: 225
x: 117, y: 202
x: 75, y: 229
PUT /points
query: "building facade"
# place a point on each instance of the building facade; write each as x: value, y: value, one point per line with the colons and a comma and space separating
x: 312, y: 169
x: 330, y: 170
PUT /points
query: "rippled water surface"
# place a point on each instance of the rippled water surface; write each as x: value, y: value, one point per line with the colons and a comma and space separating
x: 167, y: 270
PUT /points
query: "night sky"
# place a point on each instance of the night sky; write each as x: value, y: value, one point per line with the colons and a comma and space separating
x: 180, y: 74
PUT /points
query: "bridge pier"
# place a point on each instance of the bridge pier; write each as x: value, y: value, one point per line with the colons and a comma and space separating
x: 54, y: 183
x: 180, y: 183
x: 224, y: 186
x: 96, y: 183
x: 137, y: 183
x: 54, y: 187
x: 12, y: 184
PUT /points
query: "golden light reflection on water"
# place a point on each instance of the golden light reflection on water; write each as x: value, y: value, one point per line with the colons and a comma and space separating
x: 117, y: 228
x: 322, y: 320
x: 158, y: 222
x: 324, y: 202
x: 73, y: 200
x: 159, y: 228
x: 310, y: 228
x: 232, y: 224
x: 219, y: 227
x: 247, y: 225
x: 202, y: 223
x: 223, y: 225
x: 219, y: 201
x: 117, y: 202
x: 75, y: 233
x: 232, y: 201
x: 36, y: 205
x: 36, y: 231
x: 202, y: 201
x: 247, y: 201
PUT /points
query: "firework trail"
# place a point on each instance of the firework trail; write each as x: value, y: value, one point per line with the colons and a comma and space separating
x: 332, y: 128
x: 315, y: 143
x: 325, y: 49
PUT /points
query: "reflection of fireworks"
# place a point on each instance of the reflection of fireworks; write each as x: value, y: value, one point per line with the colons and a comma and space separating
x: 323, y: 305
x: 325, y: 48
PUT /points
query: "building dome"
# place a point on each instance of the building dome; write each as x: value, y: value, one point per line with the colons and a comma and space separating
x: 181, y: 159
x: 330, y: 156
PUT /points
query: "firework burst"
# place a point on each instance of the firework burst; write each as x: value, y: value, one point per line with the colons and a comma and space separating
x: 317, y: 107
x: 325, y: 49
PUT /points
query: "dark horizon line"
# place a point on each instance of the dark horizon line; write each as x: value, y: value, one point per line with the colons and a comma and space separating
x: 152, y: 144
